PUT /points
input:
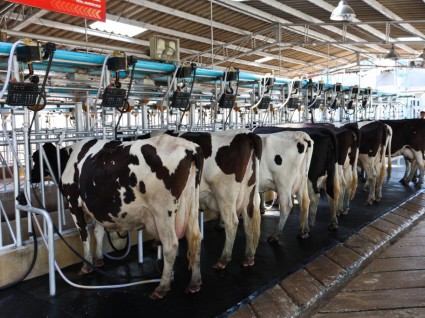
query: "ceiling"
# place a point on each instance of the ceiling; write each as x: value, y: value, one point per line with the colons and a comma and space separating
x: 297, y: 35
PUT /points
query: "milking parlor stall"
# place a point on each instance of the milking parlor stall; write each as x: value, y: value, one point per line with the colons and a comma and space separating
x: 183, y: 157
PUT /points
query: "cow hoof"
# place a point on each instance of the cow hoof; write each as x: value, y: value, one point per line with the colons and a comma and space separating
x: 345, y: 211
x: 368, y: 202
x: 418, y: 185
x: 272, y: 239
x: 304, y: 235
x: 262, y: 211
x: 193, y: 287
x: 248, y: 261
x: 404, y: 182
x: 85, y: 269
x: 221, y: 264
x: 333, y: 227
x: 98, y: 262
x: 159, y: 293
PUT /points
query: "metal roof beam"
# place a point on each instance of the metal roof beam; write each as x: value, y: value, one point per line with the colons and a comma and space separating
x: 328, y: 7
x: 183, y: 35
x: 391, y: 15
x: 218, y: 25
x: 30, y: 20
x: 306, y: 17
x: 320, y: 37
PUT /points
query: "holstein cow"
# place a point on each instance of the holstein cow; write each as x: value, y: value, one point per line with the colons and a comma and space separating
x: 321, y: 173
x: 284, y: 169
x: 229, y: 185
x: 152, y: 184
x: 375, y: 138
x: 348, y: 136
x: 408, y: 140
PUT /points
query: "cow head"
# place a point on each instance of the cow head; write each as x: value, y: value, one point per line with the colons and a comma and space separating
x: 51, y: 155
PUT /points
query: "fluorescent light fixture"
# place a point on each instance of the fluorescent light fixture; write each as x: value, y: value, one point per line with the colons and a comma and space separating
x: 343, y: 12
x: 410, y: 39
x: 264, y: 59
x: 117, y: 28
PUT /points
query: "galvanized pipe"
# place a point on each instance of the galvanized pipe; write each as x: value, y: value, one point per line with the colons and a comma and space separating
x: 50, y: 243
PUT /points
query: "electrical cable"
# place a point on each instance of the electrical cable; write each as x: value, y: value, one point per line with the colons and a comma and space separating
x: 9, y: 67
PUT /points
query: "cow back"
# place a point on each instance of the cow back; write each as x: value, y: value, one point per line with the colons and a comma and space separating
x: 407, y: 132
x: 373, y: 136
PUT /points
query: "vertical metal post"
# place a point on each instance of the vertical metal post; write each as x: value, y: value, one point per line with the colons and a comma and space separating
x: 201, y: 222
x: 140, y: 245
x: 16, y: 182
x: 27, y: 167
x: 144, y: 115
x: 79, y: 116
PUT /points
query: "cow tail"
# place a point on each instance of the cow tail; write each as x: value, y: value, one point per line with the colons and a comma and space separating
x: 332, y: 186
x: 256, y: 218
x: 389, y: 136
x: 355, y: 180
x: 256, y: 213
x: 254, y: 198
x: 193, y: 232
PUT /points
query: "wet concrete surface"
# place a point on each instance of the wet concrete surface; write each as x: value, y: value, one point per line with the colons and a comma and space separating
x: 222, y: 291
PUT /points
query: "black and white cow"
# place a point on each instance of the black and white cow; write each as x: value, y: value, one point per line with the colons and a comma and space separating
x: 375, y: 138
x: 322, y: 171
x: 348, y: 136
x: 151, y: 184
x: 229, y: 185
x: 408, y: 140
x: 284, y: 169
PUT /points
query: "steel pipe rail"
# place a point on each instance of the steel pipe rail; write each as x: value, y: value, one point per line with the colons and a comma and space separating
x: 50, y: 243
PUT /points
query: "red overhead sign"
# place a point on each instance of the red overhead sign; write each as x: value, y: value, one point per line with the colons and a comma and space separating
x: 90, y: 9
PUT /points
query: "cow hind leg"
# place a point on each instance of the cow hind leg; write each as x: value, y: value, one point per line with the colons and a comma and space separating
x: 77, y: 214
x: 285, y: 206
x: 251, y: 222
x: 168, y: 238
x: 314, y: 204
x: 193, y: 236
x: 99, y: 233
x: 230, y: 220
x: 304, y: 202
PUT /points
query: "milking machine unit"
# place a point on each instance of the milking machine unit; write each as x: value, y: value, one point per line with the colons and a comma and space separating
x: 333, y: 99
x: 313, y: 98
x: 114, y: 95
x: 366, y: 102
x: 227, y: 99
x: 351, y: 102
x: 180, y: 99
x: 28, y: 93
x: 264, y: 101
x: 293, y: 96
